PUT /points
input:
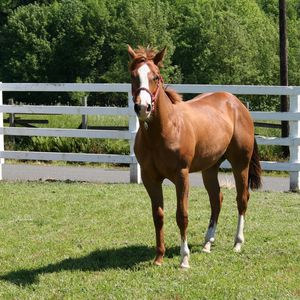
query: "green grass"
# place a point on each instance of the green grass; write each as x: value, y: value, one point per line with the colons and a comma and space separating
x: 74, y: 121
x: 109, y: 146
x: 93, y: 241
x: 61, y: 144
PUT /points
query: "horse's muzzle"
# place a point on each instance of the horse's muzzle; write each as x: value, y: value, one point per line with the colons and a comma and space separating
x: 137, y: 108
x: 142, y: 111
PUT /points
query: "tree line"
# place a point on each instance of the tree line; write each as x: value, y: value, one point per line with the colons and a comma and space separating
x: 208, y: 42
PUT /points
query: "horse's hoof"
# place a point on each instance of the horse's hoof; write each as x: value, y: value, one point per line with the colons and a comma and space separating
x: 237, y: 247
x: 185, y: 263
x: 184, y: 267
x: 206, y: 248
x: 158, y: 262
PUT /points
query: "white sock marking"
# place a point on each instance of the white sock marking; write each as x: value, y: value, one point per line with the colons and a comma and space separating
x: 239, y: 239
x: 209, y: 238
x: 210, y: 235
x: 185, y: 253
x: 240, y: 230
x: 184, y: 250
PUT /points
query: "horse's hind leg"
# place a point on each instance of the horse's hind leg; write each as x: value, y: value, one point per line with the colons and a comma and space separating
x: 211, y: 183
x: 241, y: 181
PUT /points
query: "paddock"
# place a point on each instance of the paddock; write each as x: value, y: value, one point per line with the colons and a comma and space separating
x: 293, y: 116
x: 80, y: 240
x: 95, y: 241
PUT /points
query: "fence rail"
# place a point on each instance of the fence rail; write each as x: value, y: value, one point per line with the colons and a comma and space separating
x: 293, y: 116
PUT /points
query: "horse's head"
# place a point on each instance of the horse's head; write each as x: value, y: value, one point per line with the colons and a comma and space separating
x: 145, y: 79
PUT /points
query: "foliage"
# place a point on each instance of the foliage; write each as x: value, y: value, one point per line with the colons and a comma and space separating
x: 226, y: 42
x: 294, y: 53
x: 96, y: 241
x: 208, y: 41
x: 271, y: 8
x: 222, y: 46
x: 61, y: 42
x: 138, y: 23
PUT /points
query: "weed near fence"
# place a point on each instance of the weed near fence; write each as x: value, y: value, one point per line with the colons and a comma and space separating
x: 93, y: 241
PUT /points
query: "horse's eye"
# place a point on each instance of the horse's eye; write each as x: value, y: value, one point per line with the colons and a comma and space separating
x: 155, y: 77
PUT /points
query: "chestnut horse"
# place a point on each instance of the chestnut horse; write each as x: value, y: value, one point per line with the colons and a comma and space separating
x: 177, y: 137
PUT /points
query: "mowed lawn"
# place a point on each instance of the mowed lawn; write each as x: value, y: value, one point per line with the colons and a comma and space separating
x: 96, y: 241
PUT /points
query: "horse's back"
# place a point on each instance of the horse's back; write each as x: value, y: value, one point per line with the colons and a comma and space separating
x: 222, y: 105
x: 222, y: 124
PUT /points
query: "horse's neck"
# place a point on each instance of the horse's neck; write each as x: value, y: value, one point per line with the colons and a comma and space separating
x: 161, y: 119
x: 164, y: 109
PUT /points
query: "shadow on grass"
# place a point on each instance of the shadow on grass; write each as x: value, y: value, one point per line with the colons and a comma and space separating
x: 99, y: 260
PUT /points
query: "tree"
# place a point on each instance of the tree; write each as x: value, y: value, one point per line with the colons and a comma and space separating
x: 60, y: 42
x: 27, y: 45
x: 7, y: 7
x: 226, y: 42
x: 138, y: 22
x: 208, y: 41
x: 271, y: 9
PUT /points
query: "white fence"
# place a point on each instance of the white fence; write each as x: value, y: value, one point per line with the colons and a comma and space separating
x: 293, y: 116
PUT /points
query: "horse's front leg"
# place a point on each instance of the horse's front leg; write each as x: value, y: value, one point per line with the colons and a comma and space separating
x: 182, y: 190
x: 154, y: 189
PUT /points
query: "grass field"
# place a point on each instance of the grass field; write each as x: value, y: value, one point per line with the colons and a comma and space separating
x: 93, y: 241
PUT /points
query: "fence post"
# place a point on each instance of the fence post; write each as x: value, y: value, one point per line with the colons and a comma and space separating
x: 135, y: 169
x: 11, y: 115
x: 1, y: 136
x: 84, y: 122
x: 295, y: 149
x: 11, y: 119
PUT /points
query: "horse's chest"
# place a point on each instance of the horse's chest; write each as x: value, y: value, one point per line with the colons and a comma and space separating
x: 159, y: 157
x: 166, y: 151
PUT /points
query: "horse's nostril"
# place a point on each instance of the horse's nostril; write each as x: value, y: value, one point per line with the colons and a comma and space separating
x: 149, y: 107
x: 137, y: 108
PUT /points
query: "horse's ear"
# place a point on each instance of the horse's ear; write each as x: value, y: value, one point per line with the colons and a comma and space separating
x: 158, y: 58
x: 131, y: 52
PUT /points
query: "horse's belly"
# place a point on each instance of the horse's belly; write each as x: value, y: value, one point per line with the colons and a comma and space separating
x: 201, y: 164
x: 206, y: 157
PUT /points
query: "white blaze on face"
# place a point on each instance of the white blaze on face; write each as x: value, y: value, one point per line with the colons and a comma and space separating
x: 144, y: 82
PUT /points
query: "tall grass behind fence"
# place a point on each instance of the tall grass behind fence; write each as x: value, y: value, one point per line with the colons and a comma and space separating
x: 76, y: 145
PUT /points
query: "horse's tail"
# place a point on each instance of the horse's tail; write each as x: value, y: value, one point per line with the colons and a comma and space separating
x: 254, y: 180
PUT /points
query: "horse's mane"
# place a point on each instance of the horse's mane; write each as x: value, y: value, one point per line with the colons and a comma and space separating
x: 148, y: 52
x: 173, y: 95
